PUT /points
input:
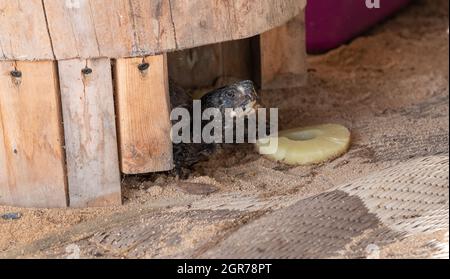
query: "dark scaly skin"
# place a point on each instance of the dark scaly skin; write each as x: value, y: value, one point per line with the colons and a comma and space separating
x: 239, y: 95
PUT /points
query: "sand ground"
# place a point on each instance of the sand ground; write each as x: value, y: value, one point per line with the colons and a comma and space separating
x: 389, y: 87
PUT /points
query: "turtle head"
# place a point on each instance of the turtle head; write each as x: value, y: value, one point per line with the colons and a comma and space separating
x: 241, y: 97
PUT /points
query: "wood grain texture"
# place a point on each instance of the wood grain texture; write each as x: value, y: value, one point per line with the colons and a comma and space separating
x: 206, y: 66
x: 32, y: 172
x: 23, y: 31
x: 283, y: 56
x: 142, y: 101
x: 256, y: 17
x: 129, y: 28
x: 90, y: 133
x: 89, y: 28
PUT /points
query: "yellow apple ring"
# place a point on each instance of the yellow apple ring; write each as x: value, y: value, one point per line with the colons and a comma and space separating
x: 308, y: 145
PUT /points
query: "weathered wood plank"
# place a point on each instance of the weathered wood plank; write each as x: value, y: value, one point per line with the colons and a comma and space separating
x: 23, y: 31
x: 237, y: 59
x: 207, y: 66
x: 202, y: 20
x: 72, y: 28
x: 129, y: 28
x: 90, y: 133
x: 205, y: 22
x: 283, y: 56
x: 143, y: 110
x: 152, y: 27
x: 31, y: 146
x: 89, y: 28
x: 5, y: 192
x: 197, y: 67
x: 255, y: 17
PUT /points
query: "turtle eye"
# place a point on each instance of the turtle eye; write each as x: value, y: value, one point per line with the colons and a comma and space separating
x: 230, y: 94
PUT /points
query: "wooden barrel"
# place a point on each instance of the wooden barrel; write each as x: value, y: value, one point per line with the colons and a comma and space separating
x: 66, y: 29
x: 84, y: 86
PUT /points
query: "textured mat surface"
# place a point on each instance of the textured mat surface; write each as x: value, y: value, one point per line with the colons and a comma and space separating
x: 408, y: 200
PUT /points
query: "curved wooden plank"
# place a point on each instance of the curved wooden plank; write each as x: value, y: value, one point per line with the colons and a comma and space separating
x: 122, y: 28
x: 23, y: 31
x: 129, y: 28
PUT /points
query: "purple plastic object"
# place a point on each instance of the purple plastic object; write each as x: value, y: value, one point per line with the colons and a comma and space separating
x: 331, y: 23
